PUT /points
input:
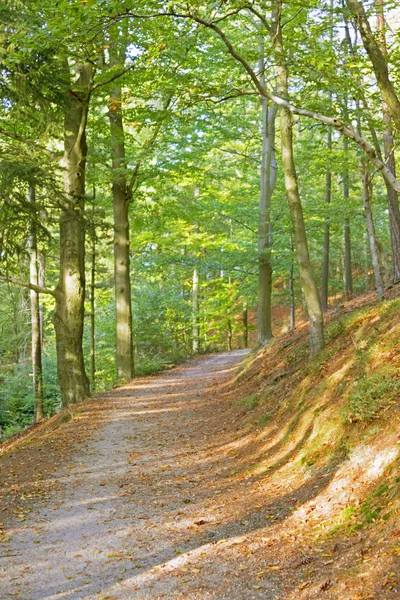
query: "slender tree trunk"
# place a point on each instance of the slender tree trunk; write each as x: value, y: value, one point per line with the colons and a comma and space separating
x: 328, y: 196
x: 37, y: 370
x: 42, y: 283
x: 325, y: 259
x: 195, y: 310
x: 388, y: 142
x: 378, y: 60
x: 230, y: 335
x: 245, y: 322
x: 267, y: 185
x: 121, y: 202
x: 291, y: 291
x: 93, y: 300
x: 348, y: 275
x: 371, y: 230
x: 366, y: 263
x: 296, y: 211
x: 70, y: 291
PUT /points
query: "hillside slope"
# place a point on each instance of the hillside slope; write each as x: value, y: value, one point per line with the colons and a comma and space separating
x: 325, y: 436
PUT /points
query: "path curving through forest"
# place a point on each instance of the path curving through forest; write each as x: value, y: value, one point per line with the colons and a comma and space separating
x: 140, y: 510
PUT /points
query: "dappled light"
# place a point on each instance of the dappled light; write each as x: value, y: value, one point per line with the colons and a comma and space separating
x: 180, y: 483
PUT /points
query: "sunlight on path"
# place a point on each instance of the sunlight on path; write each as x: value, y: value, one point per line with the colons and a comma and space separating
x: 138, y: 514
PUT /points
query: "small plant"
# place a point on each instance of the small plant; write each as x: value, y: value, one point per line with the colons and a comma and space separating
x: 334, y: 330
x: 264, y: 420
x: 371, y: 394
x: 249, y: 402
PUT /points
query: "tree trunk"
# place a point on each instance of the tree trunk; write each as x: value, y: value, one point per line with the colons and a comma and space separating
x: 37, y: 371
x: 42, y: 283
x: 121, y: 200
x: 371, y: 231
x: 291, y: 290
x: 245, y: 322
x: 267, y: 185
x: 348, y: 275
x: 388, y: 143
x: 93, y: 300
x: 195, y: 311
x: 70, y: 291
x: 296, y: 211
x: 378, y: 60
x: 230, y: 335
x: 325, y: 259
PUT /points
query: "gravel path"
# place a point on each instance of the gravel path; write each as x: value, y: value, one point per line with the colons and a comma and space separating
x: 140, y: 511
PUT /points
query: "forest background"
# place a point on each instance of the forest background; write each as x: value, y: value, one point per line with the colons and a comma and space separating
x: 144, y: 208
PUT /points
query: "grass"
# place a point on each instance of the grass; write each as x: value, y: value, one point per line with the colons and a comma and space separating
x: 249, y: 402
x: 371, y: 394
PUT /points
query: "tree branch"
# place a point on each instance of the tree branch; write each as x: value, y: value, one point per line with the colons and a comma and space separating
x: 259, y: 16
x: 148, y: 146
x: 30, y: 286
x: 113, y: 78
x: 20, y: 140
x: 377, y: 59
x: 344, y: 129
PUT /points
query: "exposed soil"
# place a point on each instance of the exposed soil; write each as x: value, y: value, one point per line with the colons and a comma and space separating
x: 146, y: 494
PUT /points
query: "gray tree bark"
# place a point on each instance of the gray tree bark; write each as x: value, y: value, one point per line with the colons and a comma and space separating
x: 267, y: 186
x: 325, y: 258
x: 371, y: 231
x: 37, y: 369
x: 348, y: 272
x: 121, y: 201
x: 195, y: 311
x: 245, y: 323
x: 93, y: 298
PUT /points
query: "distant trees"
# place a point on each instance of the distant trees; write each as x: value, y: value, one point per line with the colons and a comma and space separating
x: 152, y: 104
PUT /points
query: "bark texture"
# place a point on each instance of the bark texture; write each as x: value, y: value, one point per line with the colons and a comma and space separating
x: 348, y: 270
x: 388, y: 143
x: 70, y: 291
x: 245, y: 323
x: 195, y: 311
x: 37, y: 370
x: 296, y: 211
x: 267, y: 185
x: 121, y: 201
x: 325, y: 257
x: 373, y: 246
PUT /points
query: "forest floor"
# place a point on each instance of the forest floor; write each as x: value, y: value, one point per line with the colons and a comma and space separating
x: 159, y: 490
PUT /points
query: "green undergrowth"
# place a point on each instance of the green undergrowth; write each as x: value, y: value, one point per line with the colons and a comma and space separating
x: 379, y: 505
x: 249, y: 402
x: 314, y: 416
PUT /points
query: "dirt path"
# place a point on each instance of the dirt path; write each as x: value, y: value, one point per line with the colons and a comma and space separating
x: 146, y: 507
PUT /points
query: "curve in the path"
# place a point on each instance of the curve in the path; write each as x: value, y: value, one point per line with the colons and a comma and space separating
x: 137, y: 512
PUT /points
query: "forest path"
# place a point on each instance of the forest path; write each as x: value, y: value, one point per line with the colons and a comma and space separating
x: 150, y: 505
